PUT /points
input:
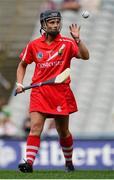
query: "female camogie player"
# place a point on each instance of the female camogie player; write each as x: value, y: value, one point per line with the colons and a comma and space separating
x: 52, y: 54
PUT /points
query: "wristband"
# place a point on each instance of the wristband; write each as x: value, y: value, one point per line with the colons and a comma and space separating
x: 77, y: 40
x: 19, y: 84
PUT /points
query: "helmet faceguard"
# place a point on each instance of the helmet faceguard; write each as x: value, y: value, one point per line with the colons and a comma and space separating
x: 48, y: 15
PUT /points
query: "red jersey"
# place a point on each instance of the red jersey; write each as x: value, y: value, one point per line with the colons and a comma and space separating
x: 50, y: 61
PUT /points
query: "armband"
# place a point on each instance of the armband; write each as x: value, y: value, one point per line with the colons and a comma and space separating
x: 19, y: 84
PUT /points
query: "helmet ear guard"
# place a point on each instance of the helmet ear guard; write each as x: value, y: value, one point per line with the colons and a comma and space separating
x: 43, y: 25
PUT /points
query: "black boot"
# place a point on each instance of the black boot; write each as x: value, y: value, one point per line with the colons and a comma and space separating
x: 25, y: 167
x: 69, y: 168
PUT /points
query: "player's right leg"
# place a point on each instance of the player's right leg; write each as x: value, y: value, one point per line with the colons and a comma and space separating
x: 33, y: 141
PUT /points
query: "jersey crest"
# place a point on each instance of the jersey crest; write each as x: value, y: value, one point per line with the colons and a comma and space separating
x: 39, y: 55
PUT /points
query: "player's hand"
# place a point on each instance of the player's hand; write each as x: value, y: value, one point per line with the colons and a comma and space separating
x: 19, y: 88
x: 75, y: 31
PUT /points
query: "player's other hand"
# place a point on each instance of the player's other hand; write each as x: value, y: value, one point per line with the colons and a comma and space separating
x: 75, y: 31
x: 19, y: 88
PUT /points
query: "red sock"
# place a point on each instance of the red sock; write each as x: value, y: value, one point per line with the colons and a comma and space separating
x: 33, y: 144
x: 67, y: 148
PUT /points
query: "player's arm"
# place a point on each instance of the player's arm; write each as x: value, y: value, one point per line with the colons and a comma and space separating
x: 83, y: 52
x: 20, y: 75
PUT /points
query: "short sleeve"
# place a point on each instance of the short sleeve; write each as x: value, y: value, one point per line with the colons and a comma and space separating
x: 26, y: 54
x: 74, y: 49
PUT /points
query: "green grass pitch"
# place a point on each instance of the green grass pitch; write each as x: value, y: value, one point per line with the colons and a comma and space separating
x: 52, y: 174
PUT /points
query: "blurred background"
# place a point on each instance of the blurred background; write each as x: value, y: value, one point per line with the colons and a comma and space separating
x: 92, y: 83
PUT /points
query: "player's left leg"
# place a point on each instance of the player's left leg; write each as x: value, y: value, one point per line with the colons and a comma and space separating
x: 66, y: 141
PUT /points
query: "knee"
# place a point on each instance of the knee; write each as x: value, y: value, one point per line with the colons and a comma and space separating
x: 36, y: 129
x: 63, y: 132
